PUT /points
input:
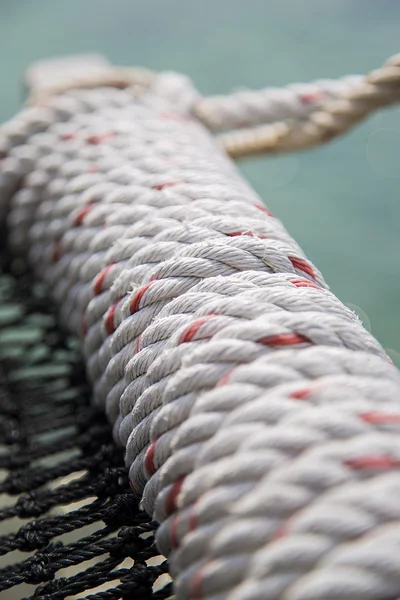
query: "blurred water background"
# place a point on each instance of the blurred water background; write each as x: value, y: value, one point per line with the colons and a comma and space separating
x: 340, y: 202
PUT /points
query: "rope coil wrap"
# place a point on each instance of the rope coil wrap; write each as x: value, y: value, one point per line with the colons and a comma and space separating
x: 260, y: 420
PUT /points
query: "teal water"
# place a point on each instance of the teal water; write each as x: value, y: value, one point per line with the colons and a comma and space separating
x: 340, y: 202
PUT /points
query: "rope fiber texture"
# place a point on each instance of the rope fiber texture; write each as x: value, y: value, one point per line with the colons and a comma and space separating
x: 260, y: 420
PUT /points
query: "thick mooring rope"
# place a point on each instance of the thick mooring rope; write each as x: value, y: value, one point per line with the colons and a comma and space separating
x: 260, y: 420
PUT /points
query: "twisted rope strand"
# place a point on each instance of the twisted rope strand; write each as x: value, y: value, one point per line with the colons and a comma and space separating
x: 333, y: 117
x: 248, y: 108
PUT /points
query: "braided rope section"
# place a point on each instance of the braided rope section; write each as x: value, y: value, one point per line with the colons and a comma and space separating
x: 260, y: 419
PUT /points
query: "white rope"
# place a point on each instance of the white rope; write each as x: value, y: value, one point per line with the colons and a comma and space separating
x: 335, y: 116
x: 248, y: 108
x: 260, y: 419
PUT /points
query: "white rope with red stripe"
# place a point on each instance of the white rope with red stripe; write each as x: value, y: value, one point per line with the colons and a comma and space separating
x: 260, y: 419
x: 248, y: 108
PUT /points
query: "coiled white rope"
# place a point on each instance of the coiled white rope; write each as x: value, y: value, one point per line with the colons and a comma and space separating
x: 260, y: 420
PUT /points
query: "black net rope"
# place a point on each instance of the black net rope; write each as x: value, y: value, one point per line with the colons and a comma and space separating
x: 69, y: 525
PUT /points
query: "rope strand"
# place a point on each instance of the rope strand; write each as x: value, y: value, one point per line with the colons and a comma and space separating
x: 247, y: 397
x: 248, y: 108
x: 333, y: 117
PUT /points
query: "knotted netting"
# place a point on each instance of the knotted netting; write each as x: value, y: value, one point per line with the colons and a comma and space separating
x: 70, y: 527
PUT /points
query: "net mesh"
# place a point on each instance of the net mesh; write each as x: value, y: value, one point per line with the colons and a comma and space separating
x: 69, y: 525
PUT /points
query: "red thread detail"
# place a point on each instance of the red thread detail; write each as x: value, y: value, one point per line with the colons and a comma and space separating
x: 373, y: 462
x: 380, y: 417
x: 93, y: 168
x: 56, y: 252
x: 225, y: 379
x: 161, y: 186
x: 192, y: 521
x: 301, y: 394
x: 148, y: 460
x: 312, y: 97
x: 197, y: 584
x: 264, y: 209
x: 302, y: 265
x: 283, y: 339
x: 191, y: 331
x: 131, y: 486
x: 248, y: 233
x: 137, y: 345
x: 305, y: 283
x: 67, y: 136
x: 99, y: 279
x: 170, y: 502
x: 109, y: 318
x: 97, y: 139
x: 283, y: 530
x: 134, y: 304
x: 174, y: 532
x: 82, y: 214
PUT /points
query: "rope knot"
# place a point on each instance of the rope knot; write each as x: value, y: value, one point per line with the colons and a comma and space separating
x: 32, y: 536
x: 123, y: 511
x: 40, y: 568
x: 29, y: 505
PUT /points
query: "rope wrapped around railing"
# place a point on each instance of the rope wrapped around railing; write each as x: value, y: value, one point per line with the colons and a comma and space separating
x: 260, y: 420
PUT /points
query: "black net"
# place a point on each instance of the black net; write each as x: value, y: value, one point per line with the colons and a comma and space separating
x: 70, y: 527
